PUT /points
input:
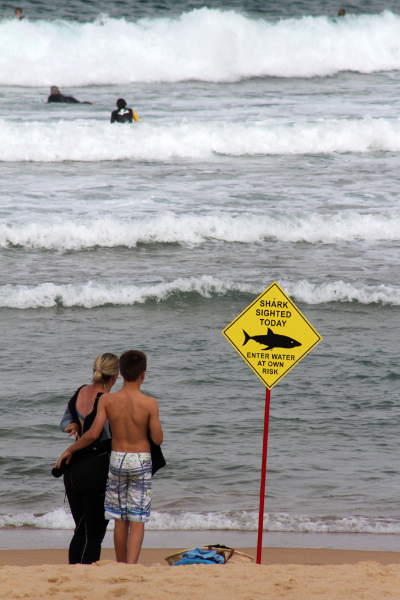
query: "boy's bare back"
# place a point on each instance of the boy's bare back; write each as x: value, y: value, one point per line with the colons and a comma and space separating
x: 132, y: 416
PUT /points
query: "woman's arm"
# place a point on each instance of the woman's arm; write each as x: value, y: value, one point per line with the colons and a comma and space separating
x: 68, y: 424
x: 66, y: 420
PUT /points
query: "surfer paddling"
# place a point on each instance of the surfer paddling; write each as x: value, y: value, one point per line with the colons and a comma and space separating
x: 57, y: 96
x: 133, y: 417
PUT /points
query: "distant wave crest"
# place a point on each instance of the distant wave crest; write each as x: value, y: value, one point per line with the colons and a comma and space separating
x: 66, y: 234
x: 91, y: 295
x: 224, y: 520
x: 89, y: 141
x: 206, y: 44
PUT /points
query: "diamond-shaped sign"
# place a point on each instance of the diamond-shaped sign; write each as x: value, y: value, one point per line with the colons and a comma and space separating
x: 272, y: 335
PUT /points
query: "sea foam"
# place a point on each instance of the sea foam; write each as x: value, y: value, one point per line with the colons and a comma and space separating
x: 93, y: 141
x: 92, y: 294
x: 224, y: 520
x: 206, y: 44
x: 67, y: 234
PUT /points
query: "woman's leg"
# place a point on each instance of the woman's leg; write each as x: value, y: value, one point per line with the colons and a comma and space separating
x: 96, y: 526
x: 75, y: 500
x: 92, y: 481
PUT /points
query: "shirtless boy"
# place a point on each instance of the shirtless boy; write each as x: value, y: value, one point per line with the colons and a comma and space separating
x: 132, y: 417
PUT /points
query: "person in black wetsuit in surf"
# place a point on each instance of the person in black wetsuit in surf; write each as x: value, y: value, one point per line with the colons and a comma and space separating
x: 123, y: 114
x: 56, y: 96
x: 85, y: 477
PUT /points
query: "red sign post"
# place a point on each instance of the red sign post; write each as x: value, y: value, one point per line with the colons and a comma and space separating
x: 263, y: 474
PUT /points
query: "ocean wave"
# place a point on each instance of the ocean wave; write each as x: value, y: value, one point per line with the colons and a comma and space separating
x: 91, y: 295
x: 206, y: 44
x: 93, y: 141
x: 224, y: 520
x: 65, y: 234
x: 340, y: 291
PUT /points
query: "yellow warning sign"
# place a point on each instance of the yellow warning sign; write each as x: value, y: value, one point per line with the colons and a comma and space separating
x: 272, y: 335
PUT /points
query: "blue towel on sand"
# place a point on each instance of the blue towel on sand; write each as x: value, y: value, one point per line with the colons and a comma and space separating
x: 197, y: 556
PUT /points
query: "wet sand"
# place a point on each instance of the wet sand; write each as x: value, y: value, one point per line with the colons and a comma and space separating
x: 270, y: 556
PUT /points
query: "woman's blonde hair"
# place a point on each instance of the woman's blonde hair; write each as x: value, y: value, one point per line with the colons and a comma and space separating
x: 104, y: 367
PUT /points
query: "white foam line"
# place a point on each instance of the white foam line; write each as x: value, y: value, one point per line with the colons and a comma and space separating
x: 90, y: 295
x: 88, y: 141
x: 224, y: 520
x: 106, y: 232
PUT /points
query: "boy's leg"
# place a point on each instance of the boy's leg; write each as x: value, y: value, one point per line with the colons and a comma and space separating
x: 135, y: 540
x: 116, y: 502
x: 121, y: 540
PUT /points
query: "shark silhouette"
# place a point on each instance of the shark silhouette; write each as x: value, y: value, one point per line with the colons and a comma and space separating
x: 271, y: 340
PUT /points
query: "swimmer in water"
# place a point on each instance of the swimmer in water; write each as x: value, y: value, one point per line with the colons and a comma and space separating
x: 123, y: 114
x: 341, y: 12
x: 56, y: 96
x: 18, y: 13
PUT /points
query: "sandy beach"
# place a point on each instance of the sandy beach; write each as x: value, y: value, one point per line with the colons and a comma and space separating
x: 285, y: 573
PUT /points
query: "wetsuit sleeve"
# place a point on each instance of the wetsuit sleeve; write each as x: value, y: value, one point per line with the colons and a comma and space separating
x: 135, y: 117
x: 112, y: 120
x: 66, y: 420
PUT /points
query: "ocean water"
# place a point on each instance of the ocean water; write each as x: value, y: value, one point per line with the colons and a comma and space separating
x: 268, y: 150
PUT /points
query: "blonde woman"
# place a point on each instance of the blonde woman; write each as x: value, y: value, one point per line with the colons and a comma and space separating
x: 85, y: 477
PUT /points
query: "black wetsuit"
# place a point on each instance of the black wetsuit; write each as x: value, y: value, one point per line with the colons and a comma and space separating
x: 122, y: 115
x: 65, y: 99
x: 85, y: 483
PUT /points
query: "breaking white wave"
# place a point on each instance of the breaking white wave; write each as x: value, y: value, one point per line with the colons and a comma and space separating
x: 64, y: 235
x: 206, y: 44
x: 280, y: 522
x: 224, y: 520
x: 55, y: 519
x: 91, y: 294
x: 340, y: 291
x: 89, y: 141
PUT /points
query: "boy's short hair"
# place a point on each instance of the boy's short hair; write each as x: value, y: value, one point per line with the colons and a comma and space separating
x: 132, y: 364
x: 121, y: 103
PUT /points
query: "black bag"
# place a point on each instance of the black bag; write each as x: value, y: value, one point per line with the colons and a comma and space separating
x: 157, y: 457
x: 58, y: 471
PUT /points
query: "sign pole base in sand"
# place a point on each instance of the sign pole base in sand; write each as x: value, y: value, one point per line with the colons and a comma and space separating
x: 263, y: 473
